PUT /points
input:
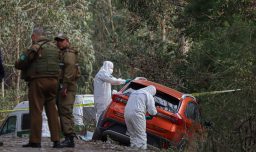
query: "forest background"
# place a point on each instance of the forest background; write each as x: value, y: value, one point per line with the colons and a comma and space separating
x: 189, y: 45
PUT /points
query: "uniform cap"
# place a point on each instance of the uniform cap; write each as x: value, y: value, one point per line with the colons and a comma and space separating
x: 60, y: 36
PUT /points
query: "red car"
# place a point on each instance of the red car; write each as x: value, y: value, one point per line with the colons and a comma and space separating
x: 176, y: 123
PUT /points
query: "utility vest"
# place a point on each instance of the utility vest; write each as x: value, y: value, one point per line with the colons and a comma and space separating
x: 70, y: 70
x: 64, y: 56
x: 45, y: 63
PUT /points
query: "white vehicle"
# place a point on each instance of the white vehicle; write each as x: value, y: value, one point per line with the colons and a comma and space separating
x: 17, y: 122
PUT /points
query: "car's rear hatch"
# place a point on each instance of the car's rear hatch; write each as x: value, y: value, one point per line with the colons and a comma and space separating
x: 167, y: 121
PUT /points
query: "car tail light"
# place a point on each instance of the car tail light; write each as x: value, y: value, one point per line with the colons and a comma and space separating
x: 179, y: 119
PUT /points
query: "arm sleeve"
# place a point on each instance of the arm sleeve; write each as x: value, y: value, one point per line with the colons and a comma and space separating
x: 110, y: 79
x: 27, y: 57
x: 151, y: 108
x: 69, y: 67
x: 32, y: 51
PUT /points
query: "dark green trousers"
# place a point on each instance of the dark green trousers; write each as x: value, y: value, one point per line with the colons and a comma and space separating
x: 66, y: 105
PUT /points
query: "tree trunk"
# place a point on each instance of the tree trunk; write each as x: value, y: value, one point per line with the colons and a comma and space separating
x: 163, y: 23
x: 111, y: 15
x: 184, y: 44
x: 163, y: 29
x: 17, y: 39
x: 3, y: 88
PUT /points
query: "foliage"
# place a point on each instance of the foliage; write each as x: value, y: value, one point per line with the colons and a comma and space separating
x: 189, y: 45
x: 140, y: 40
x: 222, y: 57
x: 17, y: 21
x: 151, y: 39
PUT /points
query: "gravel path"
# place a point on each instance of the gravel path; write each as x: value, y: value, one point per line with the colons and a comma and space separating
x: 14, y: 144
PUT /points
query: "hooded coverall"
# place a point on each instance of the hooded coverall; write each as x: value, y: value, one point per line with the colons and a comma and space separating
x: 139, y: 102
x: 102, y: 87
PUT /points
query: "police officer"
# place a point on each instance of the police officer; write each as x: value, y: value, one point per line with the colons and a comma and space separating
x: 70, y: 73
x: 39, y: 65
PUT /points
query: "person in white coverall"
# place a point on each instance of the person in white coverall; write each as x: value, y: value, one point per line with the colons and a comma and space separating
x: 139, y: 102
x: 102, y: 87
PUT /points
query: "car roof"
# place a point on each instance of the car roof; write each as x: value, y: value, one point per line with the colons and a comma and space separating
x: 161, y: 88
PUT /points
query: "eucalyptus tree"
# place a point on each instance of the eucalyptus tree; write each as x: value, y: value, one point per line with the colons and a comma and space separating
x: 18, y: 18
x: 139, y: 37
x: 222, y: 57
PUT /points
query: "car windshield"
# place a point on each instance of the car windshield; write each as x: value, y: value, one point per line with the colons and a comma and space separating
x: 163, y: 100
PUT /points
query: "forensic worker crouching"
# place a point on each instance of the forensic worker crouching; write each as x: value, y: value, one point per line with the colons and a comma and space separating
x: 40, y: 68
x: 139, y: 102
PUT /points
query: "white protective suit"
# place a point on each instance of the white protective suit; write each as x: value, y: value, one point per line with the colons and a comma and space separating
x: 139, y: 102
x: 102, y: 87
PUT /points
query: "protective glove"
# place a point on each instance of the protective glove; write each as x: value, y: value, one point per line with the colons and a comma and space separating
x: 127, y: 81
x: 63, y: 91
x: 149, y: 117
x: 23, y: 57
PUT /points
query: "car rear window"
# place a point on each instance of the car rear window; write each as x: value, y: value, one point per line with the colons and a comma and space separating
x: 163, y: 100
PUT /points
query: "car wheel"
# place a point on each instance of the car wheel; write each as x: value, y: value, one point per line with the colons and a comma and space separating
x: 122, y: 140
x: 97, y: 134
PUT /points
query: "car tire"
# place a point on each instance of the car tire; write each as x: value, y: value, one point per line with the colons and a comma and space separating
x: 97, y: 134
x: 121, y: 130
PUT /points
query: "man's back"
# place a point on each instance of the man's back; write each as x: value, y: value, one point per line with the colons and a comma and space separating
x: 136, y: 103
x: 44, y: 61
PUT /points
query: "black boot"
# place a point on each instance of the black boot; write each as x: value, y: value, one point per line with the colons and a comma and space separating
x: 69, y: 141
x: 56, y: 144
x: 33, y: 145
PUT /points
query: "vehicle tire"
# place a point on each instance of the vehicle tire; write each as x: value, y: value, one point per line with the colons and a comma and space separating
x: 151, y: 140
x: 121, y: 130
x: 97, y: 134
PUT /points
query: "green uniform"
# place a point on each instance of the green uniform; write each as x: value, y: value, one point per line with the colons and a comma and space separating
x: 39, y: 65
x: 69, y: 74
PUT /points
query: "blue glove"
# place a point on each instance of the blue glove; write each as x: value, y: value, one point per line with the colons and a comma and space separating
x: 127, y: 81
x: 149, y: 117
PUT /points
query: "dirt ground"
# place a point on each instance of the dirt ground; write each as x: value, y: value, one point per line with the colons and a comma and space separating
x: 14, y: 144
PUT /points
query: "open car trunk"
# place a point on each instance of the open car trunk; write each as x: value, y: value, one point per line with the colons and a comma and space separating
x: 162, y: 100
x: 158, y: 129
